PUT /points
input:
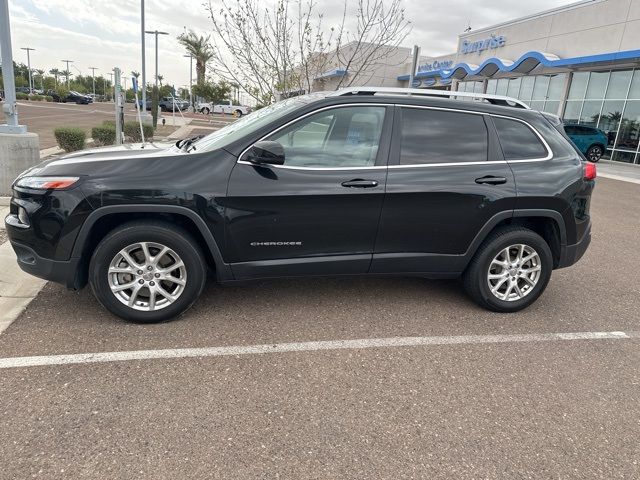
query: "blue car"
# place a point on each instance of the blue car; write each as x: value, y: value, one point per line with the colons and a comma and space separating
x: 589, y: 140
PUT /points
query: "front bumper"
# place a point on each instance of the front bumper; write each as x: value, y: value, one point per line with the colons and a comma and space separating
x: 570, y: 254
x: 59, y: 271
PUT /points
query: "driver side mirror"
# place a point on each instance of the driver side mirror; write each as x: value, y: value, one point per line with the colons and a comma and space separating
x: 266, y: 152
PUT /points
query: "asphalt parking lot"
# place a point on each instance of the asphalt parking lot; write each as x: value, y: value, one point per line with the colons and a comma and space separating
x: 43, y: 117
x: 482, y: 395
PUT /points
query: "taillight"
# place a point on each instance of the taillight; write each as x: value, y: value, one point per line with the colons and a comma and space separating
x: 589, y: 171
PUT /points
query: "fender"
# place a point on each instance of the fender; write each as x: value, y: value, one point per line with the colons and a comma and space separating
x: 223, y: 271
x: 519, y: 213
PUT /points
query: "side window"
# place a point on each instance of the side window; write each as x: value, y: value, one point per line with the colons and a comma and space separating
x: 340, y: 137
x: 438, y: 136
x: 518, y: 141
x: 571, y: 130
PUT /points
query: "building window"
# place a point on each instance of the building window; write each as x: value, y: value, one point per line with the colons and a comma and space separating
x: 610, y: 101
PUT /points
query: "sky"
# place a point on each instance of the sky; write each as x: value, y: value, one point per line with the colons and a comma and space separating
x: 106, y: 34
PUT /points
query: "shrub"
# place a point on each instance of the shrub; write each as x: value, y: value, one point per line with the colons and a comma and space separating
x: 109, y: 123
x: 62, y: 92
x: 48, y: 98
x: 21, y: 96
x: 104, y: 135
x: 37, y: 98
x: 70, y: 139
x: 132, y: 131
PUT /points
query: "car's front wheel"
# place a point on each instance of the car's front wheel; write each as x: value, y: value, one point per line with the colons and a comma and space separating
x: 595, y: 152
x: 238, y: 113
x: 510, y: 270
x: 147, y: 271
x: 205, y: 110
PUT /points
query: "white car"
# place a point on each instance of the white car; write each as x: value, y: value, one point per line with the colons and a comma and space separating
x: 227, y: 108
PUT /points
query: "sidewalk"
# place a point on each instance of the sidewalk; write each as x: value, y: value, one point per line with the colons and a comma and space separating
x: 625, y: 172
x: 17, y: 289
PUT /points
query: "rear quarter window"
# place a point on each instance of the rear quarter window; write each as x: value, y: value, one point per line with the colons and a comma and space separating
x: 518, y: 140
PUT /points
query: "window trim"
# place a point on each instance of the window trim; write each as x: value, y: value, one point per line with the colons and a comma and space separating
x: 549, y: 155
x: 388, y: 112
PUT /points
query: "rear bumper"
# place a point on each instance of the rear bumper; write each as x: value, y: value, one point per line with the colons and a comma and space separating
x: 570, y: 254
x: 64, y: 272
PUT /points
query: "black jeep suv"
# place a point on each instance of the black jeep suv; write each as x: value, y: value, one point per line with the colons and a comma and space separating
x: 359, y: 181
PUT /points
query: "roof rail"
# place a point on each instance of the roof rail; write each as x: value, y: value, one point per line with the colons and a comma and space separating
x: 493, y: 99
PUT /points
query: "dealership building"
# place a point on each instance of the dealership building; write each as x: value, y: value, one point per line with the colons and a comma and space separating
x: 581, y: 61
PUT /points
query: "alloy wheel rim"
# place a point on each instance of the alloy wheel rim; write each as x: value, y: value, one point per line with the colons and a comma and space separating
x: 147, y: 276
x: 595, y: 153
x: 514, y: 272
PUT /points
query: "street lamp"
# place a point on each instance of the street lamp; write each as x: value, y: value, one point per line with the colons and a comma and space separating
x: 68, y: 72
x: 28, y: 49
x: 93, y: 76
x: 190, y: 79
x: 156, y: 33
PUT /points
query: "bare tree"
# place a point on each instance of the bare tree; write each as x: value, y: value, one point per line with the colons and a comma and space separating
x: 288, y: 49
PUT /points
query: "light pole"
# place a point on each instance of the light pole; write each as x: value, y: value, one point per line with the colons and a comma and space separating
x: 144, y: 67
x: 156, y: 91
x: 93, y: 76
x: 156, y: 33
x: 190, y: 80
x: 9, y: 107
x: 68, y: 72
x: 28, y: 49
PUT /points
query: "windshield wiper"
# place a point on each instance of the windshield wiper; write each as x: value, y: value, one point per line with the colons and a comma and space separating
x: 185, y: 143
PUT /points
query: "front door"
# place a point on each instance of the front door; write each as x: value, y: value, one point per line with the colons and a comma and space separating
x: 318, y: 213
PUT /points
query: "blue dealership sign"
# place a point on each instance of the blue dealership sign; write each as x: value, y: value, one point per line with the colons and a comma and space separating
x: 480, y: 46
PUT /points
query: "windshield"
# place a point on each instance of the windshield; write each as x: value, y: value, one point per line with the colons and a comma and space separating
x: 253, y: 122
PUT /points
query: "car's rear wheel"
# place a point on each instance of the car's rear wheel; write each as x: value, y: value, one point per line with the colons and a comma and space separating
x: 510, y: 270
x: 238, y: 113
x: 147, y: 271
x: 595, y: 152
x: 205, y: 110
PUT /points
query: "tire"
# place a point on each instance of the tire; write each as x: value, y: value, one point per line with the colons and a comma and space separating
x: 238, y: 113
x: 594, y: 153
x: 184, y: 288
x: 476, y: 278
x: 205, y: 111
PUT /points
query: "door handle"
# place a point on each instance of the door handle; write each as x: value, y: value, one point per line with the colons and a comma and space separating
x: 491, y: 180
x: 359, y: 183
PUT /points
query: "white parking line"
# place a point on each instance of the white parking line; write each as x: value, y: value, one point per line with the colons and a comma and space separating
x: 101, y: 357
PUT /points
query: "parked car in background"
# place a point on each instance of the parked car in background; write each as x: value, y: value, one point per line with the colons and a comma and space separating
x: 72, y: 97
x: 589, y: 140
x: 166, y: 104
x: 227, y: 108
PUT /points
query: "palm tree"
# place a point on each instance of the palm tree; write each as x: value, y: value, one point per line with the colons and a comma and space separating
x: 41, y: 73
x: 55, y: 72
x: 200, y: 48
x: 160, y: 78
x: 135, y: 74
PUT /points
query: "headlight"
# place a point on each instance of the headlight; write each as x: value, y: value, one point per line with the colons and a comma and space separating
x: 46, y: 183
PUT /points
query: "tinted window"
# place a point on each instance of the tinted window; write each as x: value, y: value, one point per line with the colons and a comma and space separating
x: 437, y: 136
x: 518, y: 141
x: 341, y: 137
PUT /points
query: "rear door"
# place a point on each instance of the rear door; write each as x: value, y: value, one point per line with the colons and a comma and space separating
x: 446, y: 179
x: 318, y: 213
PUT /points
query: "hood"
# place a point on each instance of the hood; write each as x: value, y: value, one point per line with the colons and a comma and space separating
x: 89, y: 161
